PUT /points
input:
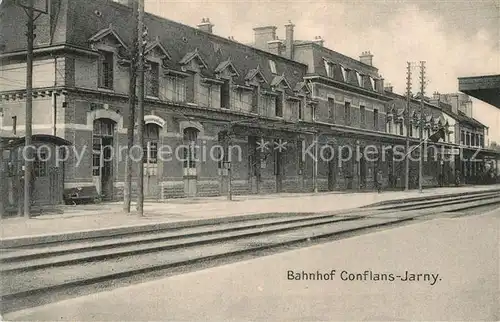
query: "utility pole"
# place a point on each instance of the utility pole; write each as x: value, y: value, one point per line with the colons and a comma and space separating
x: 127, y: 189
x: 3, y: 191
x: 408, y: 124
x: 28, y: 162
x: 140, y: 112
x: 227, y: 164
x: 421, y: 130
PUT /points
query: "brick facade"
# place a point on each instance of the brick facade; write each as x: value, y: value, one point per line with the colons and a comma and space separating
x: 208, y: 84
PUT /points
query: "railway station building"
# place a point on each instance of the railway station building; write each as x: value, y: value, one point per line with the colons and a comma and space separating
x: 270, y: 100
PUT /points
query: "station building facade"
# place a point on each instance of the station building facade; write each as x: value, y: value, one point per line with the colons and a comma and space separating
x: 202, y: 91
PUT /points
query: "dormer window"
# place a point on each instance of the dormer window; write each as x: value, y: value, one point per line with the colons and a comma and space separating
x: 272, y: 66
x: 105, y: 70
x: 360, y: 78
x: 329, y: 69
x: 344, y: 73
x: 372, y: 81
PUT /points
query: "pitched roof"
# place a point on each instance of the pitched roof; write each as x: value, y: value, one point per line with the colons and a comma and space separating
x: 13, y: 27
x: 193, y: 55
x: 103, y: 33
x: 178, y: 39
x: 470, y: 120
x: 252, y: 73
x: 157, y: 44
x: 300, y: 86
x: 227, y: 64
x: 77, y: 21
x: 280, y: 79
x: 320, y: 53
x: 436, y: 110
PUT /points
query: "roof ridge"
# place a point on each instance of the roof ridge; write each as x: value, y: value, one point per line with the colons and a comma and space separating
x: 224, y: 39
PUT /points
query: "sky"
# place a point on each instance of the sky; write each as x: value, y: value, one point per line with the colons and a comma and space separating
x: 456, y: 38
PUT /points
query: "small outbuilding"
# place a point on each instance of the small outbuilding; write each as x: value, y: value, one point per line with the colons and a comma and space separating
x: 48, y: 155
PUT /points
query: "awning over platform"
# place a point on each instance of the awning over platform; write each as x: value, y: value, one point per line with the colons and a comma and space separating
x: 484, y: 88
x: 10, y: 142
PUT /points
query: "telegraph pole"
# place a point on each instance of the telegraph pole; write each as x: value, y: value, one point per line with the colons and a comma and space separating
x: 421, y: 130
x: 127, y: 189
x: 28, y: 163
x: 408, y: 124
x: 140, y: 108
x: 2, y: 180
x: 227, y: 164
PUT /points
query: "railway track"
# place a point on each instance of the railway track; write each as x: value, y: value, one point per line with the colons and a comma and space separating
x: 43, y: 273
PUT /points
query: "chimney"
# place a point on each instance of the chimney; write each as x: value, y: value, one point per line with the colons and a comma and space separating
x: 206, y: 25
x: 465, y: 104
x: 275, y: 46
x: 289, y: 40
x: 466, y: 107
x: 318, y: 41
x: 436, y: 98
x: 263, y: 35
x: 454, y: 103
x: 380, y: 87
x: 470, y: 109
x: 366, y: 58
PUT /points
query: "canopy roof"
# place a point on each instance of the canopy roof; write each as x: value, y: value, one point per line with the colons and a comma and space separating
x: 15, y: 141
x: 484, y: 88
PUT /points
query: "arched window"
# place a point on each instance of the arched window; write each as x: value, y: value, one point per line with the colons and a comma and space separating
x: 151, y: 138
x: 190, y: 139
x: 104, y: 127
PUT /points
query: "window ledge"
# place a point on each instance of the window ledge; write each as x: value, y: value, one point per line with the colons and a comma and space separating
x: 107, y: 90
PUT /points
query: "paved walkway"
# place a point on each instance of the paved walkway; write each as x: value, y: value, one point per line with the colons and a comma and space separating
x: 107, y: 215
x: 464, y: 252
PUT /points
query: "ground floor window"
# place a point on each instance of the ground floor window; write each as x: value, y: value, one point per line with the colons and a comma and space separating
x: 190, y: 139
x: 151, y: 138
x: 40, y: 164
x: 102, y: 144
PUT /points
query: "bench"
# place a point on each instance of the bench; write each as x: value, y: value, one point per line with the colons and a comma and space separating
x: 87, y: 194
